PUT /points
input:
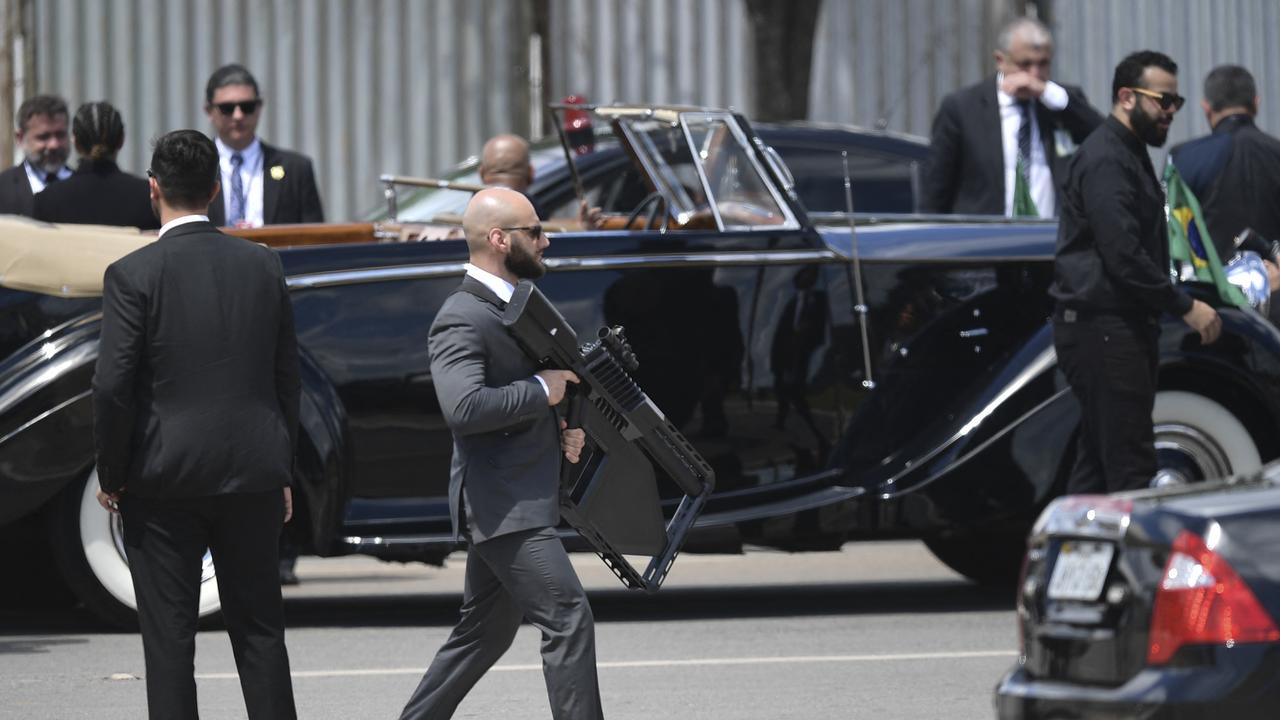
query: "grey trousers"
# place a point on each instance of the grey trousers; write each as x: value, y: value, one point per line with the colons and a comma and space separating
x: 521, y: 575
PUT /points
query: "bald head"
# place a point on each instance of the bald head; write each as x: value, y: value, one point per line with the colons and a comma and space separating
x: 505, y: 162
x: 494, y: 208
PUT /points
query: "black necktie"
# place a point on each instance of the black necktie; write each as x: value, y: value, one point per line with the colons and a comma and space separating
x: 51, y: 178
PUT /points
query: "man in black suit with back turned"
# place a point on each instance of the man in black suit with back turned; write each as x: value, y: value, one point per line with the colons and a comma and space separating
x: 1000, y: 147
x: 195, y: 402
x: 504, y: 481
x: 42, y: 135
x: 261, y: 184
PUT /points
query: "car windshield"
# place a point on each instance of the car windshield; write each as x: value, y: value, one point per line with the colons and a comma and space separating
x: 702, y: 165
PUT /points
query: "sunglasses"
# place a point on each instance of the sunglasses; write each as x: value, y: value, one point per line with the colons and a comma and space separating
x: 248, y: 107
x: 533, y: 231
x: 1166, y: 100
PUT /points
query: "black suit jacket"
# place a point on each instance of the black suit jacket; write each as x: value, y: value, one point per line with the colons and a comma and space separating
x: 506, y: 448
x: 965, y: 173
x: 196, y: 387
x: 100, y: 193
x: 15, y: 191
x: 289, y: 193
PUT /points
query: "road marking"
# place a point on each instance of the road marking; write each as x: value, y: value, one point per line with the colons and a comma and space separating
x: 793, y: 659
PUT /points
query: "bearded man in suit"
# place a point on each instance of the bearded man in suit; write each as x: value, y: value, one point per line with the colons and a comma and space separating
x: 42, y: 135
x: 504, y: 483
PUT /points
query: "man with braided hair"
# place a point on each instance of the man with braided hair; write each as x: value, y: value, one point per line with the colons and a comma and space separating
x: 99, y: 192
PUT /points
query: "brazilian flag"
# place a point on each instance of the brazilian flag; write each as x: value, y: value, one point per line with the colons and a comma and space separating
x: 1189, y: 240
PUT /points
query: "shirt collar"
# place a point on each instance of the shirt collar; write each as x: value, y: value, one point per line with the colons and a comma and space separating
x: 63, y: 173
x: 500, y: 287
x: 1233, y: 122
x: 251, y: 154
x: 184, y: 220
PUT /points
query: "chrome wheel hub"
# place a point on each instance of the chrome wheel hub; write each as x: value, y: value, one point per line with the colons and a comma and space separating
x: 1185, y: 455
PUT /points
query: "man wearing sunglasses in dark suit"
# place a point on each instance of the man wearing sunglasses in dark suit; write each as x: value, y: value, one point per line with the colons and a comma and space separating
x: 261, y: 184
x: 1000, y: 147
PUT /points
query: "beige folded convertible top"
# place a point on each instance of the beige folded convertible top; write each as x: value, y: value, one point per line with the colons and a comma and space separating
x: 61, y: 260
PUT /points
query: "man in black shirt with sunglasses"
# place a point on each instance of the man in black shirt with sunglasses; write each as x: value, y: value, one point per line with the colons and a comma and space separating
x: 261, y: 184
x: 1111, y: 279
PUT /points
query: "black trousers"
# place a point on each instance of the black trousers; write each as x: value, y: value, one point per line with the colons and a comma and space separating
x: 165, y: 540
x: 1110, y: 363
x: 509, y: 578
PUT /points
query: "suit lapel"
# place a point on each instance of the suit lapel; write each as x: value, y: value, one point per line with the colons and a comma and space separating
x: 270, y: 185
x: 994, y: 137
x: 1047, y: 124
x: 22, y: 188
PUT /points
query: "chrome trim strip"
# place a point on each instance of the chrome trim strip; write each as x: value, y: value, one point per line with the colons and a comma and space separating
x: 1044, y: 362
x: 35, y: 420
x: 61, y: 364
x: 377, y: 274
x: 307, y: 281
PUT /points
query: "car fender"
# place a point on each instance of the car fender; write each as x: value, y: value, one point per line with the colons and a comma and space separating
x: 46, y: 415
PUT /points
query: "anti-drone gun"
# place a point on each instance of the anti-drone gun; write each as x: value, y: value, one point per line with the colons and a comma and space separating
x: 610, y: 496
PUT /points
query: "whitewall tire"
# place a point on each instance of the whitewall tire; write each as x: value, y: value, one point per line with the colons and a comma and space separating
x: 1198, y: 439
x: 101, y: 578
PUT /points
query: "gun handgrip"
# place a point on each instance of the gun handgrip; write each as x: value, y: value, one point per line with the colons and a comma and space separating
x: 573, y: 408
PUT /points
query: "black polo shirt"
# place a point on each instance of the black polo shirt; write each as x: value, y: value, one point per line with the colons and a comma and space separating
x: 1112, y: 254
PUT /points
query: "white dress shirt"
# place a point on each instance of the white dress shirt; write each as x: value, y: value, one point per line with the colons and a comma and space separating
x: 250, y: 177
x: 181, y: 221
x: 503, y: 290
x: 36, y: 177
x: 1039, y: 175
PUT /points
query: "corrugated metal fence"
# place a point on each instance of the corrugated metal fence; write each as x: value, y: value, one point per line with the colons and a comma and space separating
x: 412, y: 86
x: 362, y: 87
x: 1093, y: 35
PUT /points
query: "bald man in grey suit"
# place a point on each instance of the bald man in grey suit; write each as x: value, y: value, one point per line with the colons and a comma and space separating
x: 505, y: 475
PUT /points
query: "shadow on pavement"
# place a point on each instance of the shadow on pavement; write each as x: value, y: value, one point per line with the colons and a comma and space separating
x: 929, y: 596
x: 620, y: 605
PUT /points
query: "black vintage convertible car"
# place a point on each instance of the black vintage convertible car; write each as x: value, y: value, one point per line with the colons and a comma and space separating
x: 894, y: 381
x: 1154, y: 604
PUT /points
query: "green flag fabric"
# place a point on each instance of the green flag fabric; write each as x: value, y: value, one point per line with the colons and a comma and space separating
x: 1189, y: 240
x: 1023, y: 204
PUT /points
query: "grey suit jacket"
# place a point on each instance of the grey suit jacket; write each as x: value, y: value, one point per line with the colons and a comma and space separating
x: 506, y: 446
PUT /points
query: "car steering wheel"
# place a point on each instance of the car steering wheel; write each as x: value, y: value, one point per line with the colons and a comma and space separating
x: 654, y: 202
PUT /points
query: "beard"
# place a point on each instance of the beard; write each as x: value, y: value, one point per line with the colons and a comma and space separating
x: 1147, y: 128
x: 524, y: 264
x: 48, y: 161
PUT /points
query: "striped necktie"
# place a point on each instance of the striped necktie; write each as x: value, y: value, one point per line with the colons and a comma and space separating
x: 1023, y: 204
x: 236, y: 213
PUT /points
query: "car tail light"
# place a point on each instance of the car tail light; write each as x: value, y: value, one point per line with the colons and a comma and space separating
x: 1201, y: 600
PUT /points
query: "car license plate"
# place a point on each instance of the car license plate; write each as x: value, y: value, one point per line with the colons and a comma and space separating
x: 1080, y: 571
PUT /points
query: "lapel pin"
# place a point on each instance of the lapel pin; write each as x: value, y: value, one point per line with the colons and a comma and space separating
x: 277, y: 172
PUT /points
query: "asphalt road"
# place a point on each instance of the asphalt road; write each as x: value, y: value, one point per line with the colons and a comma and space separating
x: 877, y: 630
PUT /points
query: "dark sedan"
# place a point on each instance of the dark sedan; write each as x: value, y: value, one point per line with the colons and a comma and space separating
x: 1155, y: 604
